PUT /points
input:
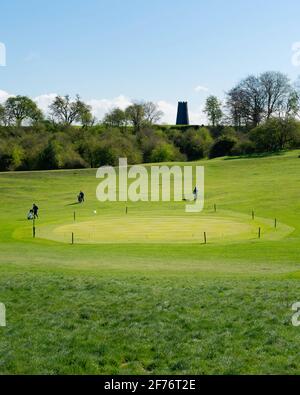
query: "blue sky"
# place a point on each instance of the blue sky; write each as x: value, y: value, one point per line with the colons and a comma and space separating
x: 115, y: 51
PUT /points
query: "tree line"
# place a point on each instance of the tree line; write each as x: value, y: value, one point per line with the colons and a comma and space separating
x: 21, y: 110
x: 259, y: 115
x: 255, y: 100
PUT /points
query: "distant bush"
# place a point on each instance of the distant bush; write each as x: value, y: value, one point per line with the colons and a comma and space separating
x: 194, y: 143
x: 222, y: 146
x: 104, y: 156
x: 113, y: 145
x: 229, y: 131
x: 5, y: 158
x: 276, y: 134
x: 72, y: 160
x: 244, y: 147
x: 11, y: 156
x: 51, y: 157
x: 165, y: 153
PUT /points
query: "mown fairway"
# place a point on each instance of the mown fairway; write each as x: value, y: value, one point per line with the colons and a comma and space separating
x: 141, y: 293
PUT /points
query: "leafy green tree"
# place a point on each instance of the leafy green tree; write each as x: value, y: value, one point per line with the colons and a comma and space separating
x: 136, y: 115
x: 21, y: 108
x: 115, y: 118
x: 86, y: 117
x: 213, y: 109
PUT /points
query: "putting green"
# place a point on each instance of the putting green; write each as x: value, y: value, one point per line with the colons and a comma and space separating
x: 166, y: 229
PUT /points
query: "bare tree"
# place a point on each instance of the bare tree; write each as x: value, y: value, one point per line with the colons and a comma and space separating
x: 152, y: 112
x: 64, y: 110
x: 246, y: 102
x: 276, y: 88
x: 141, y: 114
x: 256, y: 99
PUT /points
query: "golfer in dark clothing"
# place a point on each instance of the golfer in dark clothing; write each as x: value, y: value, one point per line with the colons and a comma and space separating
x: 195, y: 193
x: 35, y: 211
x: 81, y: 197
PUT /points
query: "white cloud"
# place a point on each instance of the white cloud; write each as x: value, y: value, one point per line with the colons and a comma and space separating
x: 4, y: 96
x: 101, y: 106
x: 197, y: 117
x: 44, y: 101
x: 2, y: 54
x: 201, y: 88
x: 169, y: 110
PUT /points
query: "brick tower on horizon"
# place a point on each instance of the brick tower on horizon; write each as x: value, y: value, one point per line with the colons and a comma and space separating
x: 182, y: 113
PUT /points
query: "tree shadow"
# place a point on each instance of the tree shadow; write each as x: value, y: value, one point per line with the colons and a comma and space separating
x: 256, y: 155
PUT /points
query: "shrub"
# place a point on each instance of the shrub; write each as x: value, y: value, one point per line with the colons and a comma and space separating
x: 72, y: 160
x: 11, y: 156
x: 276, y: 134
x: 222, y: 146
x: 105, y: 156
x: 51, y: 156
x: 165, y: 153
x: 17, y: 157
x: 245, y: 147
x: 5, y: 159
x: 195, y: 143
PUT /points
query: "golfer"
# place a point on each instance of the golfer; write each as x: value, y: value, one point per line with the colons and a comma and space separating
x: 195, y: 193
x: 35, y: 210
x: 81, y: 197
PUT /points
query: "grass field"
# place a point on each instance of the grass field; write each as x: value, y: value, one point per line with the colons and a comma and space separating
x: 141, y: 293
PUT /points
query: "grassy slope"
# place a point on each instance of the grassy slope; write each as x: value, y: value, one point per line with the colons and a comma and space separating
x: 147, y: 308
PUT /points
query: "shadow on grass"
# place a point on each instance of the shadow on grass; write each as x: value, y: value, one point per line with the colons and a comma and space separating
x: 73, y: 204
x: 256, y: 155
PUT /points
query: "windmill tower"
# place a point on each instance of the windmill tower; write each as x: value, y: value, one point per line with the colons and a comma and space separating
x: 182, y: 113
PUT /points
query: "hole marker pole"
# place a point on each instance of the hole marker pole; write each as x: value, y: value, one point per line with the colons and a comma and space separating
x: 259, y: 232
x: 275, y: 223
x: 126, y: 210
x: 72, y: 238
x: 205, y: 240
x: 215, y: 208
x: 33, y: 228
x: 74, y: 216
